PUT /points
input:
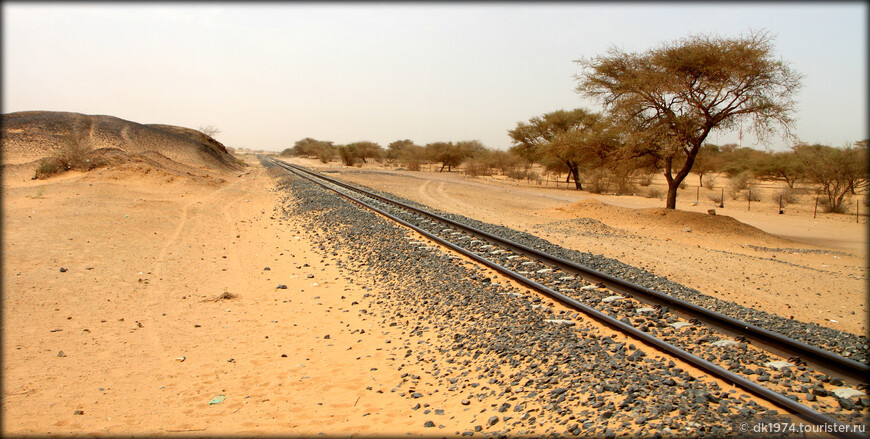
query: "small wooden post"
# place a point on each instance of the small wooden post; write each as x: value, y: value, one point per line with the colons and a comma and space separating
x: 698, y: 195
x: 856, y: 211
x: 780, y: 204
x: 749, y: 199
x: 816, y: 207
x: 722, y: 199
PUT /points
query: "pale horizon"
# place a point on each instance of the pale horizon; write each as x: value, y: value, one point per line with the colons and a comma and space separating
x: 270, y: 74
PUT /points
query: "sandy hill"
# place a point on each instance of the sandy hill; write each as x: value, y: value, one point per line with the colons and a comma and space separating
x: 30, y: 136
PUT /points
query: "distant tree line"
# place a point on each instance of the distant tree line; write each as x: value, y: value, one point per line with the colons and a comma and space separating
x: 659, y: 108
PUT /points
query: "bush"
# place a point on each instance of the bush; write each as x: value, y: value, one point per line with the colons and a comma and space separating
x: 654, y: 192
x: 788, y: 197
x: 477, y: 168
x: 716, y: 198
x: 645, y: 179
x: 753, y: 195
x: 518, y: 174
x: 683, y: 184
x: 71, y: 155
x: 597, y: 182
x: 413, y: 165
x: 709, y: 182
x: 739, y: 183
x: 48, y: 167
x: 835, y: 208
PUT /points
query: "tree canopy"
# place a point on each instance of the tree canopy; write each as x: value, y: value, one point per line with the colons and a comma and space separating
x: 672, y: 97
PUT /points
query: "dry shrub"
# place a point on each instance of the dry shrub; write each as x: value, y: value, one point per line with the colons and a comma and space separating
x: 753, y: 195
x: 683, y: 184
x: 597, y: 182
x: 477, y: 168
x: 709, y: 182
x: 226, y: 295
x: 655, y: 192
x: 715, y: 198
x: 789, y: 196
x: 518, y: 174
x: 645, y: 179
x: 413, y: 165
x: 739, y: 183
x: 71, y: 155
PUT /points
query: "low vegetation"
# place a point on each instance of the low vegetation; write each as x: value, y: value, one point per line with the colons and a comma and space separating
x: 71, y: 155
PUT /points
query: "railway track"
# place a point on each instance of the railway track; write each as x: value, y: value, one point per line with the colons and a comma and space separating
x: 594, y: 294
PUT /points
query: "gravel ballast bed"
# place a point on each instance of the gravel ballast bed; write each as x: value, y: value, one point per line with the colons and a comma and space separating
x: 498, y: 351
x: 846, y: 344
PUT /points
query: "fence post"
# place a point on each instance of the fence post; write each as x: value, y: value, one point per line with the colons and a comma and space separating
x: 722, y: 199
x: 856, y: 212
x: 749, y: 200
x: 780, y: 204
x: 698, y: 196
x: 816, y: 207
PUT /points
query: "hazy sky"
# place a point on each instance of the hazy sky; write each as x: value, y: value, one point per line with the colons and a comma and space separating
x: 270, y: 74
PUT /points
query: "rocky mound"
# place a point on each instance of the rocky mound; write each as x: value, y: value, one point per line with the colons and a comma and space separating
x: 28, y: 137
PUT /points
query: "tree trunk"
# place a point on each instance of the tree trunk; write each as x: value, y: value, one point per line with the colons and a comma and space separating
x: 576, y: 173
x: 442, y: 167
x: 671, y: 202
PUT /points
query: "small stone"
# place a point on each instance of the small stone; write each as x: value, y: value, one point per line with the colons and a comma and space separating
x: 266, y: 268
x: 78, y: 412
x: 63, y: 270
x: 560, y: 322
x: 724, y: 343
x: 465, y: 402
x: 609, y: 299
x: 416, y: 395
x: 281, y: 287
x: 311, y: 276
x: 846, y: 392
x: 680, y: 325
x: 846, y: 404
x: 492, y: 421
x: 429, y: 424
x: 778, y: 364
x: 61, y: 354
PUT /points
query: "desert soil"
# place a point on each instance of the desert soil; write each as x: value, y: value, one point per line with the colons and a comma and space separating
x: 789, y: 264
x: 134, y: 336
x: 165, y: 303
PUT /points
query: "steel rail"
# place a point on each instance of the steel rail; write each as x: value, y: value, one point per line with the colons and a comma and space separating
x: 825, y: 361
x: 777, y: 399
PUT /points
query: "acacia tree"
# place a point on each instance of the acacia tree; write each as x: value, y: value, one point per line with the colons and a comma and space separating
x: 324, y: 150
x: 834, y: 170
x: 209, y: 130
x: 450, y: 154
x: 782, y: 165
x: 674, y: 96
x: 571, y: 137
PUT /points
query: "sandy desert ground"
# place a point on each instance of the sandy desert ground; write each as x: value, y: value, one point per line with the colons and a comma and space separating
x: 133, y: 299
x: 134, y: 336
